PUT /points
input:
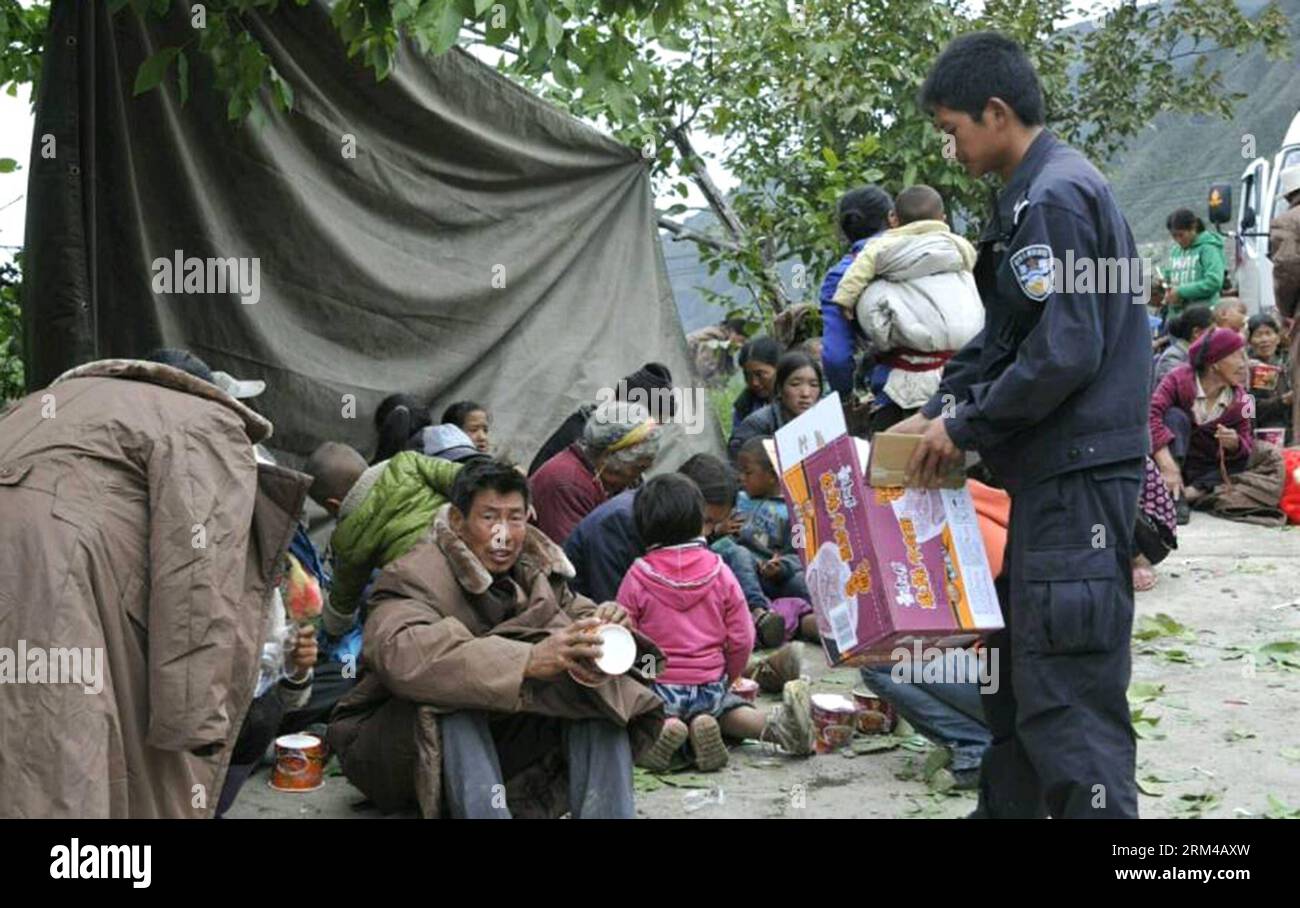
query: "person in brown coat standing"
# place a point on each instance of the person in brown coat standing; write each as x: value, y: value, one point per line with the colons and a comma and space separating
x: 1284, y: 252
x: 478, y: 696
x: 139, y: 536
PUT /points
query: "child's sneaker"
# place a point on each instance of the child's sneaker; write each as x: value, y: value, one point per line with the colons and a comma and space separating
x: 771, y: 673
x: 706, y: 742
x: 770, y: 627
x: 789, y: 725
x: 671, y: 737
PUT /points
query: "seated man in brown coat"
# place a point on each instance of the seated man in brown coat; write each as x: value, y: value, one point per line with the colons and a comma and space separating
x: 478, y: 694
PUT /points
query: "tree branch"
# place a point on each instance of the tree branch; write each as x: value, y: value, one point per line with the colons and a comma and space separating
x: 508, y: 48
x: 682, y: 232
x: 1194, y: 53
x: 699, y: 175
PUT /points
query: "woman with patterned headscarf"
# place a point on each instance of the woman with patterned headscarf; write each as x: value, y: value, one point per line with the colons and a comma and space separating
x: 619, y: 443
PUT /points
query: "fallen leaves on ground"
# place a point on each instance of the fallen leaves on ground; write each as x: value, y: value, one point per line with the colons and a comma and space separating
x: 1154, y: 627
x: 1193, y: 804
x: 1279, y: 810
x: 1144, y: 726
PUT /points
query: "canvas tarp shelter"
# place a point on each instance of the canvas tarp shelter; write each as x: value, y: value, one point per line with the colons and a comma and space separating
x: 479, y: 244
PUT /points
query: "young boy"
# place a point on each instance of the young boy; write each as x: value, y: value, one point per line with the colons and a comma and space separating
x: 382, y: 511
x: 760, y: 552
x: 1231, y: 314
x: 914, y: 297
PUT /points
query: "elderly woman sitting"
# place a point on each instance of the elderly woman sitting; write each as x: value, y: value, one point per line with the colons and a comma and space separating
x: 1201, y: 418
x: 618, y: 444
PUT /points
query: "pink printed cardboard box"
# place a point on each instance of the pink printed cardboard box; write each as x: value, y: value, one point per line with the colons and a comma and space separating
x: 886, y: 565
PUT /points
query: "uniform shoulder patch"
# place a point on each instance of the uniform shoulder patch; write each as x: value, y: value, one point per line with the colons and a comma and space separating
x: 1034, y: 270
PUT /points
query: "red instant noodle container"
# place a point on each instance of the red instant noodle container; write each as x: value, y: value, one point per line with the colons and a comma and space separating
x: 299, y: 763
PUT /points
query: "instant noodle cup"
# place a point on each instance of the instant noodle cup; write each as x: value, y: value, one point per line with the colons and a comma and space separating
x: 299, y: 763
x: 875, y: 716
x: 1274, y: 436
x: 1263, y: 377
x: 830, y: 710
x: 618, y: 653
x: 618, y: 649
x: 837, y: 736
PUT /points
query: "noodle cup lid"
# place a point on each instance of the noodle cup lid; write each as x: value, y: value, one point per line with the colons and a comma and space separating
x: 833, y: 703
x: 298, y: 741
x: 618, y: 649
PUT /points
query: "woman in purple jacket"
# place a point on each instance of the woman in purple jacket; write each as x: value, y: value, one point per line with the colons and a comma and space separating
x: 1201, y: 418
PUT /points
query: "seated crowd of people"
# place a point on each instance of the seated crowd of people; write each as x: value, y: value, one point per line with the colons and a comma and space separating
x: 462, y: 599
x: 701, y: 565
x: 449, y: 619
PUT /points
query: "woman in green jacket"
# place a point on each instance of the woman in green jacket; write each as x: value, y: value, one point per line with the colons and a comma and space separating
x: 1196, y: 263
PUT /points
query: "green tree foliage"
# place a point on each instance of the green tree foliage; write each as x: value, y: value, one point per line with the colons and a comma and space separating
x: 811, y: 99
x: 22, y: 41
x: 808, y: 97
x: 11, y: 362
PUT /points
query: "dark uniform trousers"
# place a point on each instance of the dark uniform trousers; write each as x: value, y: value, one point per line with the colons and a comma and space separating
x: 1063, y: 742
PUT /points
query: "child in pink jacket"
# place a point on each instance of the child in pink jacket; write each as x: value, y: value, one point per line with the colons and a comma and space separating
x: 687, y: 601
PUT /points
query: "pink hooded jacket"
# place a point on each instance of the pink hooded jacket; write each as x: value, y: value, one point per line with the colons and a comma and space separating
x: 688, y: 602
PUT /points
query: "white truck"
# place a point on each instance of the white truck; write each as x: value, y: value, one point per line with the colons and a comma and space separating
x: 1260, y: 204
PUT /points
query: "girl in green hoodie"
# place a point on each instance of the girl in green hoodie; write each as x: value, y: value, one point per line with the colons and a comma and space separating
x: 1196, y: 263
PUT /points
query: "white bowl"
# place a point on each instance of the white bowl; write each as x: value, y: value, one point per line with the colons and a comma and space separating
x: 618, y: 649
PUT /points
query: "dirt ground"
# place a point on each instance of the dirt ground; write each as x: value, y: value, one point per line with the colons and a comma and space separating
x: 1216, y: 687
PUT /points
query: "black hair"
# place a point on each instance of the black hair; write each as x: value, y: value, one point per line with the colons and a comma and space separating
x: 791, y: 363
x: 392, y: 402
x: 918, y: 203
x: 668, y: 510
x: 458, y: 412
x: 397, y: 418
x: 761, y: 349
x: 1259, y: 320
x: 754, y: 448
x: 738, y: 325
x: 979, y: 66
x: 183, y: 360
x: 650, y: 378
x: 483, y: 474
x: 1183, y: 325
x: 712, y: 477
x: 864, y: 212
x: 1184, y: 219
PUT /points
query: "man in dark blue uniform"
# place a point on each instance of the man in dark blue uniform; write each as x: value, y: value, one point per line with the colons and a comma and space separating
x: 1053, y: 395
